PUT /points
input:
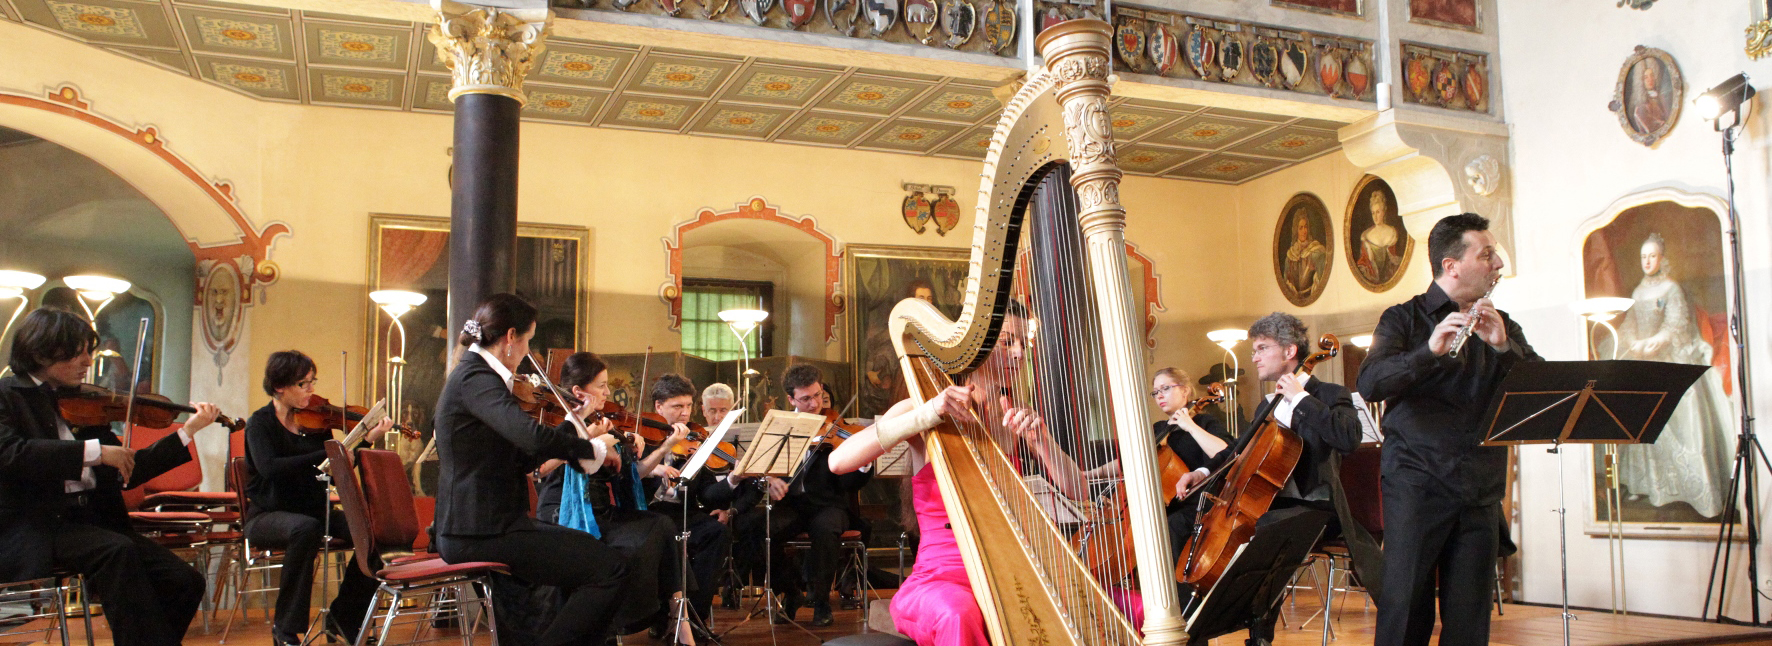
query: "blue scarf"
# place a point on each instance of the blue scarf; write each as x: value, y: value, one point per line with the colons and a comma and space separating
x: 575, y: 509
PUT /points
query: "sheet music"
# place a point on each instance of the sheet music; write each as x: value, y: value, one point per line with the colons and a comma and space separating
x: 779, y: 443
x: 713, y: 440
x: 370, y: 420
x: 895, y: 463
x: 1369, y: 432
x: 1057, y: 507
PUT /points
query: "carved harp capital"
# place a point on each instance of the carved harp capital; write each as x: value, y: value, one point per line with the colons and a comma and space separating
x: 1077, y: 56
x: 489, y: 50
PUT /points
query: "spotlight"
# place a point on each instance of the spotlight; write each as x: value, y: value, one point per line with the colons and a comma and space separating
x: 1725, y: 98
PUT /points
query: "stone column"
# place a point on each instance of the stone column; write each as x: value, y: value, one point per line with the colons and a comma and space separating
x: 490, y: 50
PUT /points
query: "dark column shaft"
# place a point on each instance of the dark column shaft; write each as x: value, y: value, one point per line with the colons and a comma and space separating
x: 483, y: 206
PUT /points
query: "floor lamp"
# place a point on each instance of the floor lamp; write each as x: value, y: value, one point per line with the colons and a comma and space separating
x: 396, y: 303
x: 1598, y: 313
x: 14, y: 284
x: 1228, y: 339
x: 742, y: 322
x: 102, y: 290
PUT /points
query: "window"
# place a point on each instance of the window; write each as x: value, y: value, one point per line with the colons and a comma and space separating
x: 708, y: 337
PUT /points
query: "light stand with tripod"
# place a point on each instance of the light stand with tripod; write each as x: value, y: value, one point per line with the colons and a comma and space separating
x: 1722, y: 105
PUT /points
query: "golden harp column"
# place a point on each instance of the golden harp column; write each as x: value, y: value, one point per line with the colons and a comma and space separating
x: 1077, y: 53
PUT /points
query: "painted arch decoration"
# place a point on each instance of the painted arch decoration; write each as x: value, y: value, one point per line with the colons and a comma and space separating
x: 757, y: 209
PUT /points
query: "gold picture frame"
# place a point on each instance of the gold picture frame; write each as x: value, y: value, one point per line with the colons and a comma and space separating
x: 875, y: 278
x: 1373, y: 273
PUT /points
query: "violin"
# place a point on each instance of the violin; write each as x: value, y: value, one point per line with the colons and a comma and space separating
x: 1245, y: 491
x: 320, y: 416
x: 533, y: 400
x: 835, y: 429
x: 92, y: 405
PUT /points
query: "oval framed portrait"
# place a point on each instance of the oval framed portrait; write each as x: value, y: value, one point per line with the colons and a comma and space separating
x: 1304, y: 244
x: 1378, y: 247
x: 1648, y: 96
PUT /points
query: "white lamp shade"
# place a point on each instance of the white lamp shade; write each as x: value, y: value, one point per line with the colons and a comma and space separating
x: 1605, y: 306
x: 746, y: 318
x: 90, y: 285
x: 1227, y: 336
x: 20, y: 280
x: 397, y: 297
x: 1361, y: 341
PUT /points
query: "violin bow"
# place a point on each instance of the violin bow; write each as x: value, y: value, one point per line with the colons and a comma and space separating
x: 549, y: 384
x: 645, y: 365
x: 135, y: 375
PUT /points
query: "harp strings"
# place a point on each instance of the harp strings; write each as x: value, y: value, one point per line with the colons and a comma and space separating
x: 1048, y: 358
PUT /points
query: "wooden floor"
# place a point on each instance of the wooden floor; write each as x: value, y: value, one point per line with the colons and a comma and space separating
x: 1515, y: 625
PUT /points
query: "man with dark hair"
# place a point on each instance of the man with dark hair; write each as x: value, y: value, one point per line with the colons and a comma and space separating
x: 818, y: 503
x: 61, y: 489
x: 1322, y: 415
x: 673, y: 398
x: 1442, y: 492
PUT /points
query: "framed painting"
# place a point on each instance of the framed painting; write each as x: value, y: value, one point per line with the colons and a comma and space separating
x: 879, y: 277
x: 1336, y: 7
x: 1304, y: 240
x: 1648, y: 95
x: 1454, y: 14
x: 1667, y: 258
x: 412, y: 253
x: 1378, y: 247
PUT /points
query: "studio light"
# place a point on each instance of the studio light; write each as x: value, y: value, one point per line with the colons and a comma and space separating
x: 1725, y: 98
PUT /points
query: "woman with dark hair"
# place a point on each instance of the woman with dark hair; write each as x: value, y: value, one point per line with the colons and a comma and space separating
x: 288, y: 507
x: 61, y: 489
x: 486, y: 446
x: 611, y: 505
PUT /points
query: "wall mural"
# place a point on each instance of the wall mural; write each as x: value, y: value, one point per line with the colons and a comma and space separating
x: 1378, y: 246
x: 1456, y: 14
x: 1668, y: 259
x: 1648, y: 95
x: 1304, y: 239
x: 412, y: 253
x: 1340, y: 7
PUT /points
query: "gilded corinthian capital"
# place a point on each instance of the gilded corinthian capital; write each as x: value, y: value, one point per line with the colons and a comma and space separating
x: 489, y: 49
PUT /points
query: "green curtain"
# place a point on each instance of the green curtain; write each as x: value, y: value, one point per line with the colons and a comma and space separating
x: 704, y: 334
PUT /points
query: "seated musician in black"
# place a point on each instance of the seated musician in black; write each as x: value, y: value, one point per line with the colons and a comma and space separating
x: 817, y: 503
x: 288, y: 505
x: 1195, y: 439
x: 61, y: 489
x: 1321, y: 414
x: 619, y: 513
x: 673, y: 398
x: 486, y: 446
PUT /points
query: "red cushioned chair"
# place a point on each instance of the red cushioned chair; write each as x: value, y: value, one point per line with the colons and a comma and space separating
x: 428, y: 588
x: 166, y: 511
x: 244, y: 559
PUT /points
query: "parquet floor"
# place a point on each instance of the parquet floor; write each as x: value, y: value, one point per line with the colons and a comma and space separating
x: 1516, y: 625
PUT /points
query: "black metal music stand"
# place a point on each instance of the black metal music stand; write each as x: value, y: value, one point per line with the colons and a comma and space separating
x: 1256, y: 580
x: 1584, y: 402
x: 681, y: 483
x: 776, y: 450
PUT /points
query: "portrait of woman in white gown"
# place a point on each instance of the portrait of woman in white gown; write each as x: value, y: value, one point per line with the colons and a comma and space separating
x: 1691, y: 460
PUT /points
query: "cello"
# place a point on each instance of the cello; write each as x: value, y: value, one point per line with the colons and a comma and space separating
x: 1247, y: 487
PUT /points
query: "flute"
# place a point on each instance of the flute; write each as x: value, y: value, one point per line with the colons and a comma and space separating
x: 1464, y: 333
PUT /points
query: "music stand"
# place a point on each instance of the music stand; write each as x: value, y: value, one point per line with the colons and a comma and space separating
x: 681, y: 483
x: 776, y: 449
x: 1584, y: 402
x: 1256, y: 578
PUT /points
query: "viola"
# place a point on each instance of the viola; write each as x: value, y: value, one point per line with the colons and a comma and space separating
x: 1245, y: 491
x: 91, y: 405
x: 320, y: 416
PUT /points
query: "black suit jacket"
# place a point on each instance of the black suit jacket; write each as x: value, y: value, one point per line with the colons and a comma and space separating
x: 486, y: 447
x: 1329, y: 427
x: 35, y: 464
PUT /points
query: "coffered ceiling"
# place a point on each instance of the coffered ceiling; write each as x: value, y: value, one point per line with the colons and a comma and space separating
x: 328, y: 59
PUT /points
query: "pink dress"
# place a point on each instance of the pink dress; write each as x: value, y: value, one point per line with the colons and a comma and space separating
x: 935, y: 605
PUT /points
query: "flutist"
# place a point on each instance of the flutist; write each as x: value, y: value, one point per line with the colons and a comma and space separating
x: 1442, y: 491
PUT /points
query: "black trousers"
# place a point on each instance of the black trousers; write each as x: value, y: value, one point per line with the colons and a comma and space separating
x: 1431, y: 537
x: 647, y: 542
x: 299, y: 536
x: 823, y: 527
x: 709, y: 542
x: 149, y: 594
x: 591, y: 576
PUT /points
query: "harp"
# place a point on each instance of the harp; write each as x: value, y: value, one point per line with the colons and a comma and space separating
x: 1052, y: 546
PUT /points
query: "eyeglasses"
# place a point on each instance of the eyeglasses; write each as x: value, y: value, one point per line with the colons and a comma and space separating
x: 1158, y: 391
